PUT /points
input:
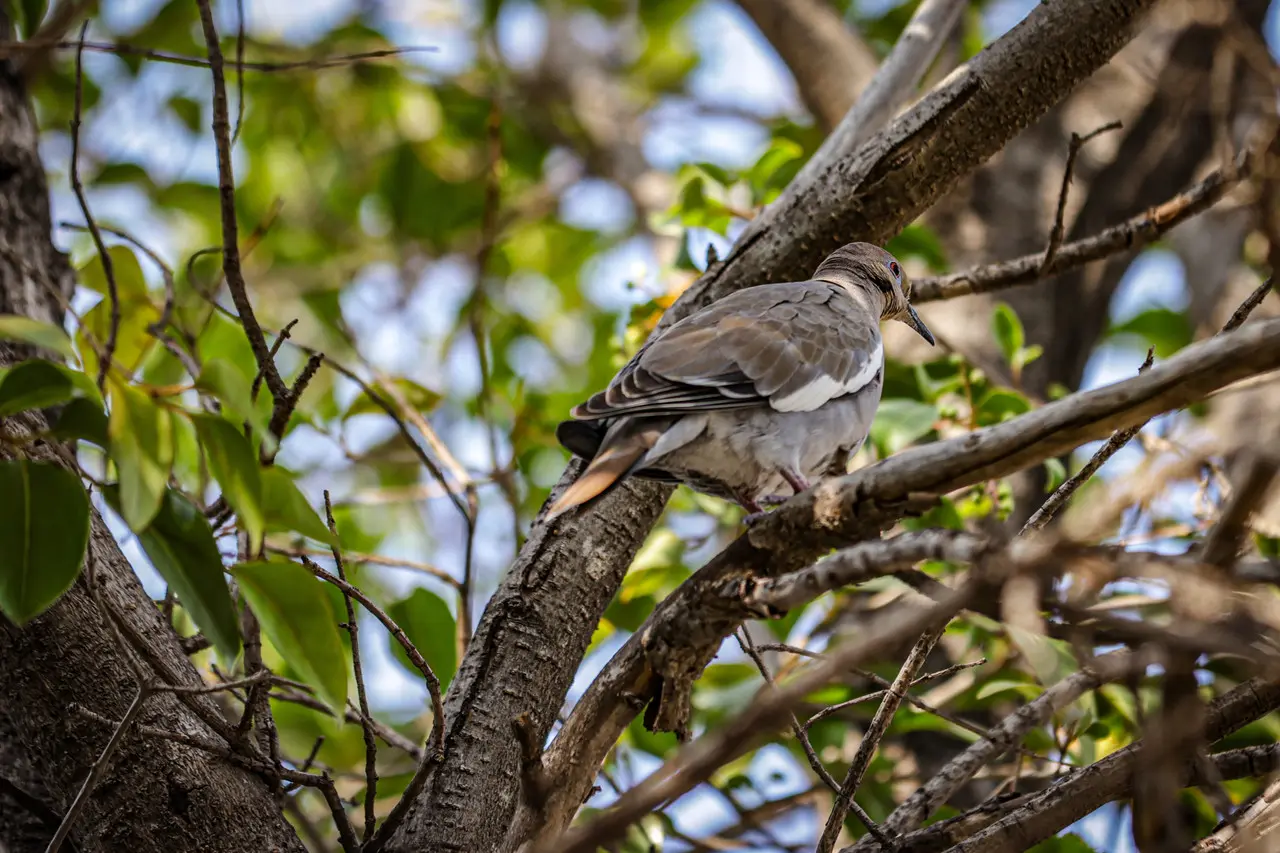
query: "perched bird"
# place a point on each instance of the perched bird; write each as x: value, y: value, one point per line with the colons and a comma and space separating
x: 758, y: 390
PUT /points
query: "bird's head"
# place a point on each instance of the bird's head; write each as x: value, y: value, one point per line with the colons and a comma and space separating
x: 862, y: 265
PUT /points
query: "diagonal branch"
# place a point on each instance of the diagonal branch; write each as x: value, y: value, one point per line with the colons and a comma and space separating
x: 537, y: 625
x: 673, y: 646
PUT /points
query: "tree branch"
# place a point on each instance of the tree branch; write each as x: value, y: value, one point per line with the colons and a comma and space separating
x: 538, y: 623
x: 670, y: 650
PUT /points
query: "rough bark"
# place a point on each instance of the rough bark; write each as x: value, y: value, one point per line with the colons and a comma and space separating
x: 674, y: 644
x: 158, y: 796
x: 538, y: 624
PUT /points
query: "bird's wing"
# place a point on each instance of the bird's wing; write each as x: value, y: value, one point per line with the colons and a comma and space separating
x: 791, y: 346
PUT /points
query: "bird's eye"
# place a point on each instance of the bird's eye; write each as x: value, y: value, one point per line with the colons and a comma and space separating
x: 895, y: 269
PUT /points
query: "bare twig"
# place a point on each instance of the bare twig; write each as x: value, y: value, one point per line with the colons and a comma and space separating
x: 108, y: 270
x: 899, y: 74
x: 1073, y: 150
x: 926, y: 800
x: 353, y: 631
x: 871, y: 739
x: 1246, y: 308
x: 33, y: 45
x: 371, y: 559
x: 1056, y: 501
x: 230, y: 228
x: 1133, y: 233
x: 98, y: 769
x: 694, y: 763
x: 415, y: 656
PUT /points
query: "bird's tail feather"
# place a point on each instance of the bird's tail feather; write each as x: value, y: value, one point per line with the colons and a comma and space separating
x: 621, y: 452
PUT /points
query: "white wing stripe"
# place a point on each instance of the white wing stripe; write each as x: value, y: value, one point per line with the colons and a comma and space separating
x: 823, y: 389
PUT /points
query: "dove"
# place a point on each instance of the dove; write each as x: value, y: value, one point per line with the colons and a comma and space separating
x: 755, y: 394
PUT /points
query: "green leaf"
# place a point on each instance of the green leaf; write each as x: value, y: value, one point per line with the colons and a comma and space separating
x: 298, y: 619
x: 420, y: 398
x: 141, y: 445
x: 1000, y: 404
x: 286, y: 508
x: 44, y: 525
x: 1165, y: 330
x: 1004, y: 685
x: 1056, y: 474
x: 899, y: 422
x: 38, y: 384
x: 223, y: 380
x: 427, y: 622
x: 1007, y: 329
x: 33, y: 12
x: 920, y: 241
x: 44, y: 335
x: 234, y: 465
x: 125, y: 270
x: 1051, y: 660
x: 82, y: 420
x: 180, y: 544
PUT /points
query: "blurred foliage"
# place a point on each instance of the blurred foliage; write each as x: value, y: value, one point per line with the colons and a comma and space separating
x: 362, y: 205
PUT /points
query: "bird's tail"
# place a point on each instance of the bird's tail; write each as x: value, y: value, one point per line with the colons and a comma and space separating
x: 621, y: 451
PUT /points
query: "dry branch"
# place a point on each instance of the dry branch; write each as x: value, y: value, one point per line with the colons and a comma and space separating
x: 539, y: 621
x: 1134, y: 233
x: 679, y: 638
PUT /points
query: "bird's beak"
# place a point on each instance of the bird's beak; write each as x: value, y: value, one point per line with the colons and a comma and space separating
x: 913, y: 320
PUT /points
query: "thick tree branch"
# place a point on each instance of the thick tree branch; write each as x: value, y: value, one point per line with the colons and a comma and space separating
x: 176, y: 798
x: 538, y: 623
x: 663, y: 657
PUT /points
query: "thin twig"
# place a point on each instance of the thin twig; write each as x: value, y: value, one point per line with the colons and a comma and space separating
x: 235, y: 134
x: 1056, y: 233
x: 1056, y: 501
x: 108, y: 270
x: 871, y: 739
x: 415, y: 656
x: 353, y: 630
x: 1246, y: 308
x: 372, y: 559
x: 8, y: 48
x: 1132, y: 234
x: 230, y: 228
x: 98, y: 769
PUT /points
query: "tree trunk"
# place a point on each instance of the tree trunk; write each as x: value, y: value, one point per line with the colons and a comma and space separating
x: 158, y: 796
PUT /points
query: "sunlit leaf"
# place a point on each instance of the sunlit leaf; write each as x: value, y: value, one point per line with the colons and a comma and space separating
x: 223, y: 380
x: 900, y: 422
x: 235, y: 466
x: 299, y: 621
x: 286, y: 508
x: 44, y: 335
x: 44, y: 525
x: 125, y: 271
x: 140, y: 435
x: 427, y: 622
x: 1008, y: 332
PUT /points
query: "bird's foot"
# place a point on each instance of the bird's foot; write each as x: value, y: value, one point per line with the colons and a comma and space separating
x: 751, y: 518
x: 773, y: 500
x: 795, y: 479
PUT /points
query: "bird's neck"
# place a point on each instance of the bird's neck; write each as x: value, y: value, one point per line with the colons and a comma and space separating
x: 869, y: 299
